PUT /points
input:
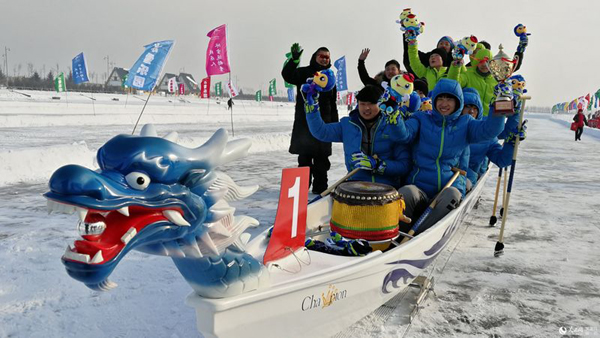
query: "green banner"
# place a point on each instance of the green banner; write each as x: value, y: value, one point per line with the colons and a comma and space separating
x: 272, y: 88
x: 218, y: 89
x: 258, y: 96
x: 288, y: 56
x: 123, y: 85
x: 59, y: 83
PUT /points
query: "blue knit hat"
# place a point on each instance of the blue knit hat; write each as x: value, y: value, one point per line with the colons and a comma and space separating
x: 447, y: 38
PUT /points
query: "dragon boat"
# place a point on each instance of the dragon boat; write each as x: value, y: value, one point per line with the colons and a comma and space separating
x: 153, y: 195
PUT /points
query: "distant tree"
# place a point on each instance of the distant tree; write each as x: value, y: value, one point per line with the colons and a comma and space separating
x: 36, y: 78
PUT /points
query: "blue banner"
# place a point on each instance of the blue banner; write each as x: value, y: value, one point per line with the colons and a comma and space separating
x: 340, y: 78
x: 146, y: 70
x: 291, y: 94
x: 80, y: 73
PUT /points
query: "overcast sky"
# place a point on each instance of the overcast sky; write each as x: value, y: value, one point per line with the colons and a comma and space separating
x: 561, y: 62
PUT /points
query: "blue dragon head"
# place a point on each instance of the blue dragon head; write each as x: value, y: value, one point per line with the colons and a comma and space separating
x: 322, y: 81
x: 156, y: 196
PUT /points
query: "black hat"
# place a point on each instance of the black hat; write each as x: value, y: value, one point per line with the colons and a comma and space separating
x: 421, y: 85
x: 439, y: 51
x: 369, y: 93
x: 393, y: 62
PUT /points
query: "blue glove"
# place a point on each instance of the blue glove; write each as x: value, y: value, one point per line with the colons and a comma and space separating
x: 363, y: 161
x: 503, y: 89
x: 522, y: 134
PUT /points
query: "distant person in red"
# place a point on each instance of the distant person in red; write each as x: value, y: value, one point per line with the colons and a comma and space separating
x: 579, y: 120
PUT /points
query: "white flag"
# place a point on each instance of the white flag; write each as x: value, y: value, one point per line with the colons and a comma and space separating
x: 172, y: 85
x: 233, y: 92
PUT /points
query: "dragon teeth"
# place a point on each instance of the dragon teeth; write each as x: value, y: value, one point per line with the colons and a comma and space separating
x: 76, y: 256
x: 97, y: 258
x: 128, y: 235
x: 175, y: 217
x: 124, y: 211
x: 59, y: 208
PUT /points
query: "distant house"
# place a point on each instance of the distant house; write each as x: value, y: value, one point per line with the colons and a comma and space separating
x: 191, y: 86
x: 163, y: 85
x: 116, y: 77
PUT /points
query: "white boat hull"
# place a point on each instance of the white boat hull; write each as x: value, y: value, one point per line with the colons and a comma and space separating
x: 332, y: 292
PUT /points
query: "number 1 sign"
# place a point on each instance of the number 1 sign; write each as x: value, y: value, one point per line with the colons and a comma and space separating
x: 290, y: 222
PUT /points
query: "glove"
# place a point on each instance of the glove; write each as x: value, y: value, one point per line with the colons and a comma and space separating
x: 311, y: 104
x: 363, y: 161
x: 522, y: 134
x: 503, y: 89
x: 392, y: 117
x: 296, y: 51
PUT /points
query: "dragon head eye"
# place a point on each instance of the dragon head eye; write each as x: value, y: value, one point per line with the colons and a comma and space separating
x: 137, y: 180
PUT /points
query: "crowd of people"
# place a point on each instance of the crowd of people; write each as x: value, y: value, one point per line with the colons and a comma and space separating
x: 411, y: 148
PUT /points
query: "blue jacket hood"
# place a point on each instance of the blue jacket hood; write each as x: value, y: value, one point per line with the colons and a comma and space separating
x: 451, y: 87
x: 471, y: 96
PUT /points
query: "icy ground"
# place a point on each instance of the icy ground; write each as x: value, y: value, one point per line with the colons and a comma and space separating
x: 547, y: 283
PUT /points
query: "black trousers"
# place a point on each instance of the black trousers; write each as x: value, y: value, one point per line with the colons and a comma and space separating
x: 319, y: 165
x: 578, y: 133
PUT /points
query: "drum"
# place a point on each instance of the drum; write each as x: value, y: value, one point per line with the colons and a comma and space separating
x: 367, y: 210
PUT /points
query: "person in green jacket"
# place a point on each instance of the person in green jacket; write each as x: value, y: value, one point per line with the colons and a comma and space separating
x: 432, y: 72
x: 477, y: 76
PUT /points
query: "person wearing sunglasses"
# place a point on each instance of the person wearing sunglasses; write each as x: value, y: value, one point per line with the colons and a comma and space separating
x: 311, y: 152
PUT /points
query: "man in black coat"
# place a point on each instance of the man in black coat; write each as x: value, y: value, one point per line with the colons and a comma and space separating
x: 311, y: 152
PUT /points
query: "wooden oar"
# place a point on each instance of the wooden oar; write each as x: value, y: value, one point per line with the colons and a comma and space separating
x: 499, y: 249
x: 432, y: 205
x: 330, y: 189
x: 493, y: 218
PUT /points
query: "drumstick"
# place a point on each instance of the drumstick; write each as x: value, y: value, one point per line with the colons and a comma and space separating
x: 431, y: 206
x: 330, y: 189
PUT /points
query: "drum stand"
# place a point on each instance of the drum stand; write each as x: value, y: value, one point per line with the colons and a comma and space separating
x: 425, y: 285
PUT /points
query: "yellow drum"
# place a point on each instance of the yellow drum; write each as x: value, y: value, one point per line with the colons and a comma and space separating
x: 367, y: 210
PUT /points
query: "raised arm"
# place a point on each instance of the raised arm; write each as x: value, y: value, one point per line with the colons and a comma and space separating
x: 362, y: 69
x: 479, y: 131
x: 324, y: 132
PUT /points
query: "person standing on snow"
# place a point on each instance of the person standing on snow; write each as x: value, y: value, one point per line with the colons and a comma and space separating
x: 392, y: 68
x: 311, y: 152
x: 579, y: 120
x: 445, y: 43
x: 230, y: 103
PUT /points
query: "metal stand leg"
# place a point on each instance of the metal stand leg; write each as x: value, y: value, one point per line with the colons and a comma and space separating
x: 425, y: 285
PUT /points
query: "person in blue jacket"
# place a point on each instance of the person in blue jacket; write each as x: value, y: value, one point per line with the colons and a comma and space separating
x: 501, y: 155
x: 440, y: 137
x: 367, y: 139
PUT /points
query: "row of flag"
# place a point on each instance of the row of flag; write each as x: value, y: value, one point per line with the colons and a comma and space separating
x: 587, y: 102
x: 145, y: 72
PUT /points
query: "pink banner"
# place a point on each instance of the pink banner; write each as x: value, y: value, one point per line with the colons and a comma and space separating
x: 181, y: 89
x: 217, y: 61
x: 205, y: 88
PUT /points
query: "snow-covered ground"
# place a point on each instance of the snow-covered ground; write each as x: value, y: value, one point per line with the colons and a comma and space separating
x: 547, y: 282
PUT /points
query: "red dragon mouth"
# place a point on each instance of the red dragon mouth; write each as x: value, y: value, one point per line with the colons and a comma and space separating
x: 105, y: 233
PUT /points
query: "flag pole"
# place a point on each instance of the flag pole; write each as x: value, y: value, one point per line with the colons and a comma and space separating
x: 232, y: 131
x: 152, y: 89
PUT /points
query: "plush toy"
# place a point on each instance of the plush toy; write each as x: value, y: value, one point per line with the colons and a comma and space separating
x: 426, y: 104
x: 322, y: 81
x: 521, y: 30
x: 399, y: 97
x: 405, y: 12
x: 465, y: 46
x: 411, y: 26
x: 518, y: 84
